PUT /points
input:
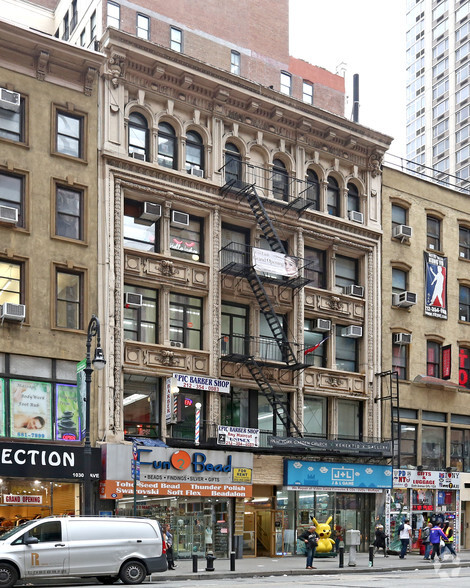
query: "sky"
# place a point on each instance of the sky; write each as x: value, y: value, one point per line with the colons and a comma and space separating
x: 369, y: 37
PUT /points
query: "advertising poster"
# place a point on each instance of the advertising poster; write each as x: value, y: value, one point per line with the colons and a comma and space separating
x: 267, y: 261
x: 2, y: 407
x: 435, y: 296
x: 30, y: 410
x: 81, y: 394
x: 67, y: 414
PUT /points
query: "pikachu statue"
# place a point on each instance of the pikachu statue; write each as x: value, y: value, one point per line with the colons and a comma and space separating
x: 325, y: 544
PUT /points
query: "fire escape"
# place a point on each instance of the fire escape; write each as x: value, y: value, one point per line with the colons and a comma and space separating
x: 236, y: 260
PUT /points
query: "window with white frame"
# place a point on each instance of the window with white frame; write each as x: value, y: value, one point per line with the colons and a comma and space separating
x: 235, y: 62
x: 143, y: 26
x: 114, y: 15
x: 307, y: 92
x: 176, y: 39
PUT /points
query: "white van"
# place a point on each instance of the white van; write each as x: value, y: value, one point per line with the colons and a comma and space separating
x: 128, y: 549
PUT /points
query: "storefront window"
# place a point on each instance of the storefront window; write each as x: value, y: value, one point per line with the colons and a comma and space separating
x: 141, y: 406
x: 433, y: 448
x: 408, y: 445
x: 315, y: 411
x: 184, y: 428
x: 24, y: 500
x: 198, y: 525
x: 349, y: 419
x: 235, y: 408
x: 268, y: 421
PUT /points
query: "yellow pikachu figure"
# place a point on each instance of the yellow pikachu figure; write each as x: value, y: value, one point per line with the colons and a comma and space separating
x: 325, y: 544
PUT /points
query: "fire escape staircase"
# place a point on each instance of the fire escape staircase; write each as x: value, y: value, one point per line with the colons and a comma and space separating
x: 248, y: 191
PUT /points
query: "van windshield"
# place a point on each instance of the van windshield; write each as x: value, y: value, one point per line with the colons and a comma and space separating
x: 18, y: 529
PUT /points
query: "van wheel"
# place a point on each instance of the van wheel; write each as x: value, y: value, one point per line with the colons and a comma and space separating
x: 132, y: 572
x: 8, y: 575
x: 107, y: 579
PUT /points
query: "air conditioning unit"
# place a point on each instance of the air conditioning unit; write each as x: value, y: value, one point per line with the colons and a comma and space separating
x: 354, y: 290
x: 180, y: 218
x: 353, y: 332
x: 132, y: 300
x: 12, y: 312
x: 321, y: 325
x: 8, y: 214
x: 9, y: 100
x: 356, y: 216
x: 402, y: 338
x: 137, y: 155
x: 404, y: 299
x: 151, y: 212
x: 176, y: 344
x: 195, y: 171
x: 402, y: 232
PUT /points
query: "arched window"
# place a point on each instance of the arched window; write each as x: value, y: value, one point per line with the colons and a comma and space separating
x: 167, y: 146
x: 313, y: 189
x: 332, y: 197
x: 280, y: 181
x: 194, y: 154
x: 138, y: 136
x: 354, y: 203
x: 233, y: 163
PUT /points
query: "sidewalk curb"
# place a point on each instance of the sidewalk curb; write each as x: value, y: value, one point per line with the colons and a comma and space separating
x: 223, y: 575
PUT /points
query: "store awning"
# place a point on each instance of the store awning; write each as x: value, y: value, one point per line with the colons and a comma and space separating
x: 437, y: 382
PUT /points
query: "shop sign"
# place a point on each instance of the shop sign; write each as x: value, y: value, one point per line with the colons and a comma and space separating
x: 329, y: 446
x: 435, y: 295
x: 163, y: 464
x: 242, y: 475
x: 238, y: 436
x: 202, y: 383
x: 299, y: 474
x: 22, y: 499
x: 426, y: 479
x: 272, y: 262
x: 27, y: 460
x: 115, y: 489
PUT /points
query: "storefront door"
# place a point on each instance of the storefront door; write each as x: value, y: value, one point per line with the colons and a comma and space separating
x: 249, y: 534
x: 284, y: 533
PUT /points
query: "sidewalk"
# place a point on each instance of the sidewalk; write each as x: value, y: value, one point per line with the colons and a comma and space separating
x: 267, y: 566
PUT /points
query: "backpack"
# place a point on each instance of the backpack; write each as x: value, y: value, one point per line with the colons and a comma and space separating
x: 401, y: 527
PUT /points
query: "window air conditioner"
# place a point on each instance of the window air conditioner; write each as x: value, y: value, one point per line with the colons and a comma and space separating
x: 321, y: 325
x: 354, y: 290
x: 9, y: 100
x: 176, y: 344
x: 195, y: 171
x: 12, y: 312
x: 132, y: 300
x: 402, y: 338
x: 404, y: 299
x: 151, y: 212
x: 179, y: 218
x: 356, y: 216
x: 137, y: 155
x: 402, y: 232
x: 353, y: 332
x: 8, y: 214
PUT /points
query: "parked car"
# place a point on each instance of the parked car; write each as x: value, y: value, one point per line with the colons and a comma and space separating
x: 109, y: 549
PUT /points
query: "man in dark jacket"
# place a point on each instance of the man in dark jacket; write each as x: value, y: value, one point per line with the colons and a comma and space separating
x: 380, y: 539
x: 426, y: 532
x: 310, y: 538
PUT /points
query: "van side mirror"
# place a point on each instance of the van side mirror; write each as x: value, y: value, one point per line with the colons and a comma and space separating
x: 28, y: 540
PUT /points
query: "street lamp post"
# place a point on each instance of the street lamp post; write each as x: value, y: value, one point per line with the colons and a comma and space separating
x: 98, y: 362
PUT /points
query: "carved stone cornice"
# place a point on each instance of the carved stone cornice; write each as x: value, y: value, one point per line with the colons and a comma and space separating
x: 115, y: 67
x: 42, y: 63
x: 91, y: 75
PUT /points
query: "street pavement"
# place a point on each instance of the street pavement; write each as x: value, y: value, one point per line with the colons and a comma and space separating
x: 295, y: 566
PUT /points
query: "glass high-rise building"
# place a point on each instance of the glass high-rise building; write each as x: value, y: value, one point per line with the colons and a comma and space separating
x: 438, y: 88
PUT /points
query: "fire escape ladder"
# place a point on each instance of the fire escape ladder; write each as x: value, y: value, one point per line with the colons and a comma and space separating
x: 267, y: 309
x: 274, y: 400
x: 262, y: 218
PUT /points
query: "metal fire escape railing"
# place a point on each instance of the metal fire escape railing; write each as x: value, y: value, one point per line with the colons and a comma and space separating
x: 241, y: 184
x: 277, y: 187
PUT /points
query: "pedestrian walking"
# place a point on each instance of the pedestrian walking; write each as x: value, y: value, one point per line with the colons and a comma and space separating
x: 168, y: 536
x: 448, y: 531
x: 435, y: 536
x: 426, y: 541
x: 405, y: 536
x: 380, y: 540
x: 310, y: 538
